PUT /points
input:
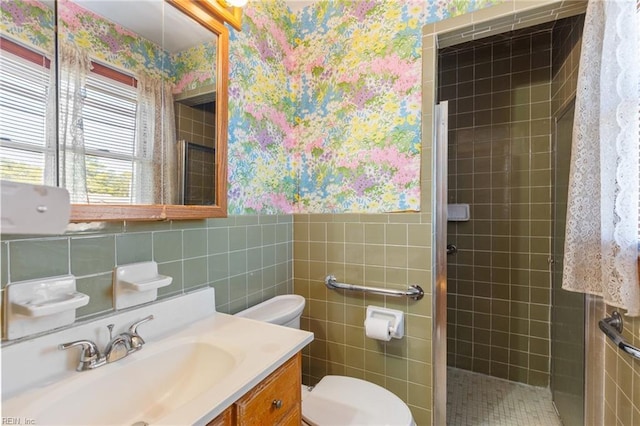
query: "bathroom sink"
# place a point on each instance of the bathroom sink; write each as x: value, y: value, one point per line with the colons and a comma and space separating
x: 142, y: 388
x: 196, y: 362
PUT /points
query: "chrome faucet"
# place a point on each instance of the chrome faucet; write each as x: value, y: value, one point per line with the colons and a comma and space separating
x: 90, y: 357
x: 136, y: 341
x: 117, y: 348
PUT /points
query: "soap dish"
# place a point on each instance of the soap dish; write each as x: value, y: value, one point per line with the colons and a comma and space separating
x: 137, y: 283
x: 50, y: 306
x: 43, y: 304
x: 458, y: 212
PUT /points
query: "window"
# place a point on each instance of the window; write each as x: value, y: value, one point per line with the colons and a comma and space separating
x: 24, y: 87
x: 108, y: 123
x: 109, y: 120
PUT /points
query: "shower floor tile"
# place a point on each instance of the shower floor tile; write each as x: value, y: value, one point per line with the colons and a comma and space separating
x: 476, y: 399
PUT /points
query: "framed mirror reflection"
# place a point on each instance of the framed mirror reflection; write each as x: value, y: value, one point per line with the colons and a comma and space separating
x: 141, y: 108
x: 28, y: 92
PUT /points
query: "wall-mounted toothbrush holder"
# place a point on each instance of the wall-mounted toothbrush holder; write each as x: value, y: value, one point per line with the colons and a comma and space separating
x: 137, y: 283
x: 383, y: 323
x: 43, y: 304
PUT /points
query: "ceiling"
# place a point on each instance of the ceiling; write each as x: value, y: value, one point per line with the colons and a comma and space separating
x: 144, y: 17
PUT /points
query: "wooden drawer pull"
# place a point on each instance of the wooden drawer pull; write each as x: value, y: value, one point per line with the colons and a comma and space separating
x: 277, y: 403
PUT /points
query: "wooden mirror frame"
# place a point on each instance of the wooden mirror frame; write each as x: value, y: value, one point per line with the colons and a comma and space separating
x: 151, y: 212
x: 230, y: 14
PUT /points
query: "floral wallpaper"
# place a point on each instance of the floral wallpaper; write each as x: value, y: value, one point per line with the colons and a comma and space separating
x: 325, y: 105
x: 195, y: 67
x: 28, y: 21
x: 31, y: 22
x: 263, y: 166
x: 437, y: 10
x: 359, y: 113
x: 111, y: 43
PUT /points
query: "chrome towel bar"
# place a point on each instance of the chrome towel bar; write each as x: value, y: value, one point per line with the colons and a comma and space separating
x: 414, y: 292
x: 612, y: 327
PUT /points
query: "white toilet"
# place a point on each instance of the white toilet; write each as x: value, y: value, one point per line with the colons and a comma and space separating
x: 335, y: 400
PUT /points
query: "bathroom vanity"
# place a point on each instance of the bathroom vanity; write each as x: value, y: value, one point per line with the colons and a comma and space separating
x: 197, y: 367
x: 274, y: 401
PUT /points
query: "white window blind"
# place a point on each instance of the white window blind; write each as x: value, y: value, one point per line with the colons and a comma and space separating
x: 109, y: 121
x: 23, y: 100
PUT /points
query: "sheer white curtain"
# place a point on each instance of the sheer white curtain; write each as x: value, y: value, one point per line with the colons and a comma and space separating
x: 74, y: 66
x: 51, y: 125
x: 601, y: 246
x: 155, y: 174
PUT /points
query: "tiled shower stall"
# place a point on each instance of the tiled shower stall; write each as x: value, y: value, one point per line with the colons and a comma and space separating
x: 504, y: 94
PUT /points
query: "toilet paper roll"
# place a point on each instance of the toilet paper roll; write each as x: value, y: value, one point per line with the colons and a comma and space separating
x: 378, y: 328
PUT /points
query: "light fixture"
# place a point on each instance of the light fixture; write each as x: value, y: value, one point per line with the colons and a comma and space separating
x: 233, y: 3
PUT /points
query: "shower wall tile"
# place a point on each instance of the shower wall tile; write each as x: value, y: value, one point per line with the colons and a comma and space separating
x: 567, y: 36
x: 381, y: 250
x: 499, y: 280
x: 196, y: 123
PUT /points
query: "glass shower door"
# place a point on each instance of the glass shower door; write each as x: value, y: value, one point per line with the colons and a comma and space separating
x: 568, y: 308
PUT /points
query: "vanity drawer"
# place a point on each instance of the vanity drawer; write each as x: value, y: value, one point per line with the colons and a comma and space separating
x: 226, y: 418
x: 271, y: 401
x: 294, y: 418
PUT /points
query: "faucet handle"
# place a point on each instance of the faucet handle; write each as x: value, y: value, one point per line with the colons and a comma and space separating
x: 89, y: 356
x: 89, y: 349
x: 136, y: 340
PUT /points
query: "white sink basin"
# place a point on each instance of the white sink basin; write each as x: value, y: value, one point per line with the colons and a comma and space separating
x: 186, y: 374
x: 146, y: 388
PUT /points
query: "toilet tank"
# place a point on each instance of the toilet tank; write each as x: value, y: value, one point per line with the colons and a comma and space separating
x: 282, y: 310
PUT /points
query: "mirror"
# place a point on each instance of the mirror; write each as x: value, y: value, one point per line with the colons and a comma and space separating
x: 27, y: 92
x: 150, y: 129
x: 142, y: 107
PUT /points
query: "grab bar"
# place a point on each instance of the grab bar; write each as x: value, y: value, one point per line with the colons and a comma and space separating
x: 612, y: 326
x: 415, y: 292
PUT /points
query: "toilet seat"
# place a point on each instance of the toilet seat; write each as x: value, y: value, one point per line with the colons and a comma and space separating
x: 339, y: 400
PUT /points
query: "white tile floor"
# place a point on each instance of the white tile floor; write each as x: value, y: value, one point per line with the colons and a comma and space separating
x: 476, y: 399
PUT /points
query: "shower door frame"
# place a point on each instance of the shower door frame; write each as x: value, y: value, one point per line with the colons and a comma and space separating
x: 568, y: 107
x: 486, y: 22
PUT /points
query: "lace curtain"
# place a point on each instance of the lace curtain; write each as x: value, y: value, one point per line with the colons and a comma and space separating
x: 155, y: 176
x: 51, y: 134
x: 75, y: 65
x: 601, y: 241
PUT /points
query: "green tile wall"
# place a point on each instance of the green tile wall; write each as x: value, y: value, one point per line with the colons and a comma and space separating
x: 621, y: 381
x: 247, y: 259
x: 499, y: 92
x: 382, y: 250
x: 195, y: 124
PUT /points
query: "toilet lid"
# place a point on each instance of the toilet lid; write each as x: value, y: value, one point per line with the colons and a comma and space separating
x: 339, y: 400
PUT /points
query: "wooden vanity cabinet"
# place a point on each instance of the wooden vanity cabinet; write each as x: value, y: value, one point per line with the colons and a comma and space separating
x: 226, y: 418
x: 274, y: 401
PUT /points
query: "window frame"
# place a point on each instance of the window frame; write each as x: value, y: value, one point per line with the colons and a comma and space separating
x: 28, y: 55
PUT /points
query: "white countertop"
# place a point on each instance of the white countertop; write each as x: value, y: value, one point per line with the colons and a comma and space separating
x: 256, y: 350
